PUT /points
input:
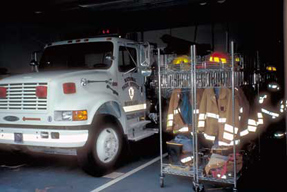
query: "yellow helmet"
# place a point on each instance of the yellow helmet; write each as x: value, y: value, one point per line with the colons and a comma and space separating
x: 184, y: 59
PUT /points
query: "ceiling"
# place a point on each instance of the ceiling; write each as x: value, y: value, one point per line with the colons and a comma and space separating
x: 257, y: 20
x: 175, y: 12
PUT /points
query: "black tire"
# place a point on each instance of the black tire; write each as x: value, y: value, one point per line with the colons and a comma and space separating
x: 102, y: 150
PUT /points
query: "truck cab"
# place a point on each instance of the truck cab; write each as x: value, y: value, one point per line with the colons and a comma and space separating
x: 85, y: 99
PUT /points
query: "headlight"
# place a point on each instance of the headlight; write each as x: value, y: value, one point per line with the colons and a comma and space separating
x: 71, y: 115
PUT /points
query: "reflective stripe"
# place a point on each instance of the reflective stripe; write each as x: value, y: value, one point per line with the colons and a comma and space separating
x: 222, y: 120
x: 259, y: 115
x: 269, y: 113
x: 221, y: 143
x: 175, y: 111
x: 201, y: 123
x: 241, y: 110
x: 212, y: 115
x: 209, y: 137
x: 183, y: 129
x: 229, y: 128
x: 252, y: 128
x: 228, y: 136
x: 261, y: 99
x: 243, y: 133
x: 260, y: 122
x: 131, y: 108
x: 169, y: 123
x: 196, y: 111
x: 170, y: 117
x: 252, y: 122
x: 186, y: 159
x: 239, y: 118
x: 201, y: 116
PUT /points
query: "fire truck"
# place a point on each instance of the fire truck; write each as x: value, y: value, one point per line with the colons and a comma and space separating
x: 86, y: 97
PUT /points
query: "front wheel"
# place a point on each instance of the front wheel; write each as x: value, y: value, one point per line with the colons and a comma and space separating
x: 102, y: 150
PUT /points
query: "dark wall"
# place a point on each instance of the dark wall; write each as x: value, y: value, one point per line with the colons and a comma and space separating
x: 255, y: 25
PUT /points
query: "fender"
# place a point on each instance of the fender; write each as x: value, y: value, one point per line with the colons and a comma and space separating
x: 106, y: 104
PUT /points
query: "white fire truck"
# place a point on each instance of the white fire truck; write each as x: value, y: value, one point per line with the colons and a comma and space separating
x: 86, y: 97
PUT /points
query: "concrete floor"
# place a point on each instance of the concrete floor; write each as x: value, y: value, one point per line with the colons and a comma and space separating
x: 50, y: 173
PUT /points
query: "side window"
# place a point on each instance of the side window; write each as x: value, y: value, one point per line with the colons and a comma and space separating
x: 127, y: 58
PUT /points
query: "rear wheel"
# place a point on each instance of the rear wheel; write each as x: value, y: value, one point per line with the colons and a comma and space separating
x: 102, y: 150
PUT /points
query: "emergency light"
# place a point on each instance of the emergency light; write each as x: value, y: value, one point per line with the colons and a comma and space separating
x: 41, y: 91
x: 3, y: 92
x: 69, y: 88
x: 218, y: 57
x: 107, y: 31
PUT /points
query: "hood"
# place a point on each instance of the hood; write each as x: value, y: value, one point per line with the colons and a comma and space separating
x: 52, y: 75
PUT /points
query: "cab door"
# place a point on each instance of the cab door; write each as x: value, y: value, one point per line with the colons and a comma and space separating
x: 131, y: 83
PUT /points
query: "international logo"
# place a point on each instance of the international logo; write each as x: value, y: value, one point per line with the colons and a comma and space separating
x: 131, y: 92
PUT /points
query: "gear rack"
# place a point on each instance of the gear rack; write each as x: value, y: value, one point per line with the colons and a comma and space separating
x: 198, y: 75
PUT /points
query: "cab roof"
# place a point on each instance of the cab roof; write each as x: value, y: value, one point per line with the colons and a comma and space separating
x: 93, y: 39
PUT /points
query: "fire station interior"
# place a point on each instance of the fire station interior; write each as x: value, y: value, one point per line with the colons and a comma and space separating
x: 247, y: 33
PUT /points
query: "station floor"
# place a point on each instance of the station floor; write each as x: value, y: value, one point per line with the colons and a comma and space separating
x: 138, y: 173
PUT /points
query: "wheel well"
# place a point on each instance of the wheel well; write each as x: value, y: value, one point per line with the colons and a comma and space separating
x: 106, y: 118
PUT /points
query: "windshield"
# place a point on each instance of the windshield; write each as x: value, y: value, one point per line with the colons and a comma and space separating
x: 94, y: 55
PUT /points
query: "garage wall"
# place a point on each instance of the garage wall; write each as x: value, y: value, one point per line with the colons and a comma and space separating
x: 18, y: 41
x: 203, y: 35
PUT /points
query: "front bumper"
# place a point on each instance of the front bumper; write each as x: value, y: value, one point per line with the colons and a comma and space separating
x: 44, y: 137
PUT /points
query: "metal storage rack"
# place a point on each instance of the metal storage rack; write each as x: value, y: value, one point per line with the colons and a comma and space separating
x: 197, y: 77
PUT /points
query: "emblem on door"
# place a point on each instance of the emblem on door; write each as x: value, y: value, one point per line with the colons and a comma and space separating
x: 131, y: 92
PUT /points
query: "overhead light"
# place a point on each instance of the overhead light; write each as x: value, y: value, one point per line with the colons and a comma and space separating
x: 93, y: 5
x: 221, y: 1
x: 203, y: 3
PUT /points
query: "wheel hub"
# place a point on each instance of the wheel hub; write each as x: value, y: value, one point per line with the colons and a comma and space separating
x: 107, y: 145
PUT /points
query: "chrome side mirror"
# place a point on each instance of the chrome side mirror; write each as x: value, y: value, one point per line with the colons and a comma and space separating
x: 34, y: 63
x: 109, y: 57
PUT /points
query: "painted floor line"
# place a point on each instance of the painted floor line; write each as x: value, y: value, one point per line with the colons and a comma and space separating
x: 127, y: 174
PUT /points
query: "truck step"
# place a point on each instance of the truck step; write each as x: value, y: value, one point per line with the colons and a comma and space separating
x: 139, y: 124
x: 137, y: 136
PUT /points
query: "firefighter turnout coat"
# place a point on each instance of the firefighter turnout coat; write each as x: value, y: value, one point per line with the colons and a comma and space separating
x: 215, y: 116
x: 175, y: 121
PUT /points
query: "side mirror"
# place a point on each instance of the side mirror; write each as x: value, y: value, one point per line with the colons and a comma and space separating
x: 146, y: 71
x: 109, y: 57
x: 34, y: 63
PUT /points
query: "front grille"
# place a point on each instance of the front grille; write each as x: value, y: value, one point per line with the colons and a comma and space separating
x: 22, y: 96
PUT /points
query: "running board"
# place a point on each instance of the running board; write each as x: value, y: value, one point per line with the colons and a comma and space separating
x: 139, y: 124
x: 137, y: 136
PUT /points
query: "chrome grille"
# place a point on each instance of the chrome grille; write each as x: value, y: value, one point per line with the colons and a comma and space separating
x: 22, y: 96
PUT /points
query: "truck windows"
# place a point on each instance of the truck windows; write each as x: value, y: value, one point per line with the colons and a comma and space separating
x: 127, y: 58
x: 92, y: 55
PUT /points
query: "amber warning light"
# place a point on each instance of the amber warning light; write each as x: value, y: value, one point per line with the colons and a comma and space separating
x: 80, y: 115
